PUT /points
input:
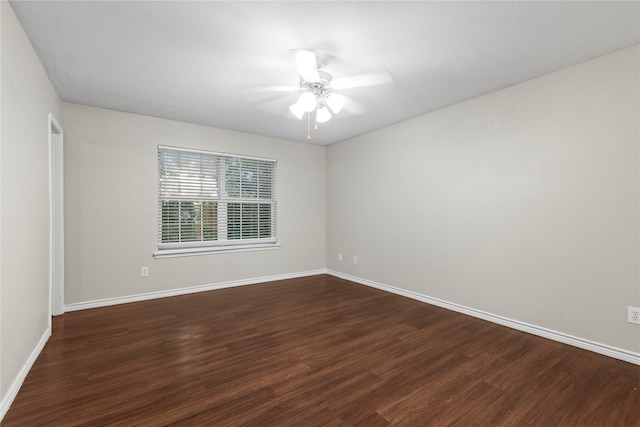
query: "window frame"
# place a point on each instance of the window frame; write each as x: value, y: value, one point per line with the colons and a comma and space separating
x: 223, y: 200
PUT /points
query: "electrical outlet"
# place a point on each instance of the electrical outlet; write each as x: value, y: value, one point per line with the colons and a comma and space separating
x: 355, y: 259
x: 339, y: 257
x: 144, y: 271
x: 634, y: 315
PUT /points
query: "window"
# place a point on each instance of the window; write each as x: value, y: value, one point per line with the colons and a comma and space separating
x: 210, y: 201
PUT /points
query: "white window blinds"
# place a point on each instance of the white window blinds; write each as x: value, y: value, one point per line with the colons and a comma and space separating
x: 215, y: 200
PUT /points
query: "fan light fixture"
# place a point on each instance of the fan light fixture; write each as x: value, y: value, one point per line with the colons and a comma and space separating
x: 306, y: 104
x: 322, y: 114
x: 316, y: 88
x: 335, y: 101
x: 317, y: 97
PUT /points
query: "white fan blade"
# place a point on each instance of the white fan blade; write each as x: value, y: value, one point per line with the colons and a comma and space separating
x: 363, y: 80
x: 351, y: 107
x: 270, y: 89
x: 274, y: 104
x: 307, y: 65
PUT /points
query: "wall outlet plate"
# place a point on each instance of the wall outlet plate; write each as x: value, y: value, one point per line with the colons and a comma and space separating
x: 634, y: 315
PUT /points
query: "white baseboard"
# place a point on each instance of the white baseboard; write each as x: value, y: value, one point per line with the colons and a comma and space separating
x: 617, y: 353
x: 9, y: 397
x: 190, y: 290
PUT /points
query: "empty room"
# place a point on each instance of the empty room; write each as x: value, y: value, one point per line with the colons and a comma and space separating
x: 323, y: 213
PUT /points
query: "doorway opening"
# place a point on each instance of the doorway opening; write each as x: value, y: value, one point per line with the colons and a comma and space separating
x: 56, y: 218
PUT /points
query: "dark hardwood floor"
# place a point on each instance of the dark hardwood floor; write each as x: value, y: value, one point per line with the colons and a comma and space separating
x: 316, y: 351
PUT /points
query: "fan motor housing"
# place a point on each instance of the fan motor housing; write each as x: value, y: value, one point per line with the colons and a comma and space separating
x: 320, y: 87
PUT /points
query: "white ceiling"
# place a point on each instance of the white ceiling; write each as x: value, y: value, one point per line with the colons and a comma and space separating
x: 193, y: 61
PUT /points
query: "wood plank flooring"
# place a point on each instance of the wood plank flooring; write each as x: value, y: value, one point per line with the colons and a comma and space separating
x: 315, y: 351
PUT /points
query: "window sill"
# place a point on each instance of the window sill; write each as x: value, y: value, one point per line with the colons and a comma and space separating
x: 174, y: 253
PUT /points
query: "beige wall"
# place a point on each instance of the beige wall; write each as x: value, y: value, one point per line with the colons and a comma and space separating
x: 27, y: 98
x: 523, y: 203
x: 111, y: 206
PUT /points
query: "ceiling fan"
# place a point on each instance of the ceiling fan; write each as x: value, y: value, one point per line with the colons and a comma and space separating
x: 320, y: 94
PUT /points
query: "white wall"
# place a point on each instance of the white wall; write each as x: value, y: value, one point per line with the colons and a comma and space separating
x: 111, y: 187
x: 27, y: 98
x: 523, y: 203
